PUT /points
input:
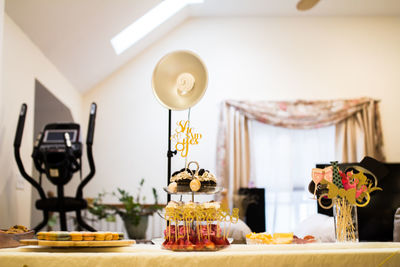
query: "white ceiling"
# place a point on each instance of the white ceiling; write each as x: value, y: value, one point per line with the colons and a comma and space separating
x: 75, y: 34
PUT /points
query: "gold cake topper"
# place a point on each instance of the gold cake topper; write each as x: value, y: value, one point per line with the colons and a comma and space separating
x: 354, y: 187
x: 184, y: 137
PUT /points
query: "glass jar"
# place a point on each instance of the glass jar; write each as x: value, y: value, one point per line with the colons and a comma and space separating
x: 345, y: 217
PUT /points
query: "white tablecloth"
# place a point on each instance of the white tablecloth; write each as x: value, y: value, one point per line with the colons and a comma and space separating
x: 323, y: 254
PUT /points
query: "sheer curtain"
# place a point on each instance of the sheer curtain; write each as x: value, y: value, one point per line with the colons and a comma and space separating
x: 282, y: 160
x: 354, y: 123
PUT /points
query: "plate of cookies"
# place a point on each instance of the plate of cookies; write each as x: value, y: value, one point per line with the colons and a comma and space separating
x: 10, y: 238
x: 79, y: 239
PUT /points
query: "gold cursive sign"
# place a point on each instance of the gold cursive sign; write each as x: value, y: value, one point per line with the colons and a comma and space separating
x: 184, y: 137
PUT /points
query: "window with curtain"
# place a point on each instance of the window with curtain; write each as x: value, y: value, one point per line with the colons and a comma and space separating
x: 282, y: 160
x: 275, y: 144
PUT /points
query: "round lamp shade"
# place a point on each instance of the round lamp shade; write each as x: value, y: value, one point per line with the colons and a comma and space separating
x: 304, y: 5
x: 179, y: 80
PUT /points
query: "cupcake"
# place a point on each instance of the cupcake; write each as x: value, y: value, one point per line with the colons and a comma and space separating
x: 182, y: 179
x: 190, y: 205
x: 171, y: 206
x: 211, y: 205
x: 207, y: 179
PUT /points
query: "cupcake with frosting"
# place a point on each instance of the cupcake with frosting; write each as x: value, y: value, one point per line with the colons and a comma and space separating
x: 207, y: 180
x: 182, y: 179
x: 186, y: 180
x: 211, y: 205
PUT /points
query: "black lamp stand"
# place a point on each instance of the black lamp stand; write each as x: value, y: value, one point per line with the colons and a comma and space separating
x: 170, y: 153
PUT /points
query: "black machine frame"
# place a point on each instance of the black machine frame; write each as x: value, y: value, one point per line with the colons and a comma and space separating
x: 61, y: 203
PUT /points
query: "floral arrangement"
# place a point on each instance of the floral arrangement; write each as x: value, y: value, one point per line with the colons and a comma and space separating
x: 347, y: 190
x: 354, y: 187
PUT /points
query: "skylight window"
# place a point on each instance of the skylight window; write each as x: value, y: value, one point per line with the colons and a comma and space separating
x: 148, y: 22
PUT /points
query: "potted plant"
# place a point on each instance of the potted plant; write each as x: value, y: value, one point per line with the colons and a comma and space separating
x: 131, y: 209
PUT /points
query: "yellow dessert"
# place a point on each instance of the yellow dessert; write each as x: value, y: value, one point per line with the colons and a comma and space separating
x: 79, y: 236
x: 115, y: 236
x: 264, y: 238
x: 52, y: 236
x: 76, y: 236
x: 211, y: 205
x: 99, y: 236
x: 195, y: 185
x: 88, y: 236
x: 260, y: 238
x: 173, y: 187
x: 17, y: 229
x: 41, y: 235
x: 108, y: 236
x: 283, y: 238
x: 190, y: 205
x: 172, y: 205
x: 63, y: 236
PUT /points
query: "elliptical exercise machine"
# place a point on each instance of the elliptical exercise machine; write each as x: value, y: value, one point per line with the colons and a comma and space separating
x: 57, y: 152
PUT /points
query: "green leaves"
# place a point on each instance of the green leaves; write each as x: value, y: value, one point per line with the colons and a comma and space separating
x: 155, y: 195
x: 131, y: 208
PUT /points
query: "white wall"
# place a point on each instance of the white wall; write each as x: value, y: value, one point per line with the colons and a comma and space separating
x: 1, y: 51
x: 1, y: 66
x: 1, y: 87
x: 247, y: 58
x: 22, y: 63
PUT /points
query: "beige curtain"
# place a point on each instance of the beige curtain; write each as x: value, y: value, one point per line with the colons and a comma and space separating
x: 237, y: 149
x: 358, y: 132
x: 241, y: 154
x: 360, y: 135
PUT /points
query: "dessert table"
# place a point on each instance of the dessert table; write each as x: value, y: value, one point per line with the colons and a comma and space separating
x: 319, y: 254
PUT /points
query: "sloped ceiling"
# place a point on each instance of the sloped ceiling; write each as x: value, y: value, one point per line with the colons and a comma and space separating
x: 75, y: 35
